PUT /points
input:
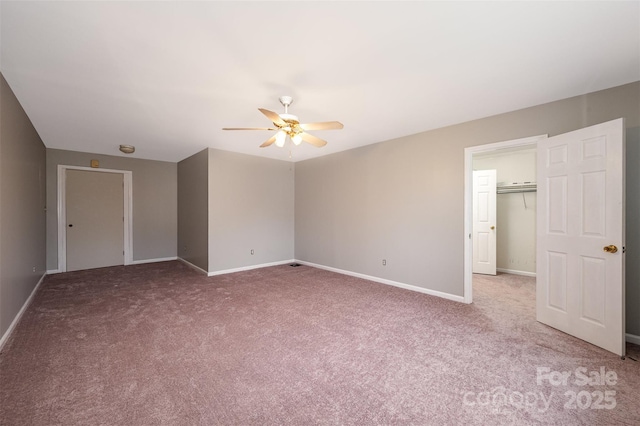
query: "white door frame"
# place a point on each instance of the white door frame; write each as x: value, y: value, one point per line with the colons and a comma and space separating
x: 468, y: 202
x: 62, y: 212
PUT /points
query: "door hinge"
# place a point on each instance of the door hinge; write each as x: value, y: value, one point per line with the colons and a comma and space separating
x: 624, y: 249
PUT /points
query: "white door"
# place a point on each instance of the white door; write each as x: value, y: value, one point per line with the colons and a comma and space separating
x: 580, y: 275
x: 484, y: 222
x: 94, y: 214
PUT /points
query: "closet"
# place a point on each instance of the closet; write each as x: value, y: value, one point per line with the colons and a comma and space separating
x: 516, y: 207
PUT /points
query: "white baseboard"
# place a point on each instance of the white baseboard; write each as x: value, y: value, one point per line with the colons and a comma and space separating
x: 248, y: 268
x: 388, y: 282
x: 135, y: 262
x: 160, y: 259
x: 192, y: 266
x: 515, y: 272
x: 17, y: 318
x: 632, y: 338
x: 230, y: 271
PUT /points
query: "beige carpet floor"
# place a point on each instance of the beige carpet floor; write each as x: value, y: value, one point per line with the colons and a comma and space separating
x: 158, y: 344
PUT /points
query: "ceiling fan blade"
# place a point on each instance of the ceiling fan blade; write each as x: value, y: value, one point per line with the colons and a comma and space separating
x: 271, y: 140
x: 325, y: 125
x: 273, y: 116
x: 248, y: 128
x: 313, y: 140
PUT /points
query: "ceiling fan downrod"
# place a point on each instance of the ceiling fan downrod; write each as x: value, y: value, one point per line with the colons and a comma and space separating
x: 286, y: 101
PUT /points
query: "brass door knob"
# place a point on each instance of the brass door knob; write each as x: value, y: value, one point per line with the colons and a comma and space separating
x: 610, y: 249
x: 493, y: 227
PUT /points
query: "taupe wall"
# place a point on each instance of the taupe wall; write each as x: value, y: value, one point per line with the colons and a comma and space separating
x: 193, y: 205
x: 402, y: 200
x: 22, y: 202
x: 155, y: 200
x: 250, y: 207
x: 633, y: 231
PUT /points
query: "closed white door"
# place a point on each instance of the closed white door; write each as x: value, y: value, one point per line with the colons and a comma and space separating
x: 580, y: 241
x: 484, y: 222
x: 95, y: 219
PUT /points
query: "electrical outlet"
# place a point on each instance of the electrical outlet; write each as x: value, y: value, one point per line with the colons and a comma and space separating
x: 34, y: 269
x: 251, y: 252
x: 384, y: 262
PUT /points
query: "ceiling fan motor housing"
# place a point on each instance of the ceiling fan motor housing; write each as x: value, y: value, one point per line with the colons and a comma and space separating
x: 289, y: 118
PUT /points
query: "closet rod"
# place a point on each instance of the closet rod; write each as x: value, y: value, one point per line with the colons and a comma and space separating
x: 514, y: 191
x: 516, y: 188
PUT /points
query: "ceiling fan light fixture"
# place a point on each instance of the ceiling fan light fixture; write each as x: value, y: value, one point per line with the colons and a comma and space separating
x: 289, y: 125
x: 280, y: 138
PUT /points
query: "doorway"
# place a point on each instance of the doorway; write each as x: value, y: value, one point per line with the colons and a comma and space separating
x: 94, y: 218
x: 470, y: 153
x: 580, y: 226
x: 510, y: 209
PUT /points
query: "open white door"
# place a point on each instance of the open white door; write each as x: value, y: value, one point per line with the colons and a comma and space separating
x: 484, y: 222
x: 580, y: 234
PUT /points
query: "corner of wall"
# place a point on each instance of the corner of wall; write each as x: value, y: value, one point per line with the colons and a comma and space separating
x: 22, y: 207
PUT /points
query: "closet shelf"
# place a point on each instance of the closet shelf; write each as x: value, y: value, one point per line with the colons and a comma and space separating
x: 516, y: 187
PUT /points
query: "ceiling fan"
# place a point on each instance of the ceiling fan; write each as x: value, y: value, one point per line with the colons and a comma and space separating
x: 288, y: 125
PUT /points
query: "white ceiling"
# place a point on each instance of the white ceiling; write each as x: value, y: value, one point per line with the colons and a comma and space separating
x: 167, y: 76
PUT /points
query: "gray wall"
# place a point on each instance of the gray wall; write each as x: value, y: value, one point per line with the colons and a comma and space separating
x: 155, y: 202
x: 193, y: 204
x: 22, y: 202
x: 403, y: 200
x: 633, y: 230
x: 250, y: 207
